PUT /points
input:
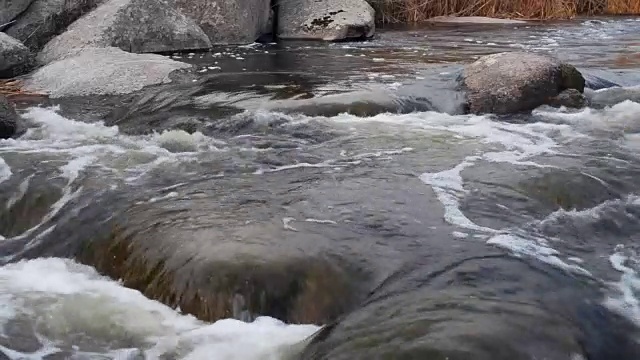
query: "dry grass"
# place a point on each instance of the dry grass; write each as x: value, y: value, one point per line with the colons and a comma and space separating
x: 623, y: 7
x: 13, y: 89
x: 414, y: 11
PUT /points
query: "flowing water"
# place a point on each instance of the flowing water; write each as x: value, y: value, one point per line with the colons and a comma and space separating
x: 352, y: 142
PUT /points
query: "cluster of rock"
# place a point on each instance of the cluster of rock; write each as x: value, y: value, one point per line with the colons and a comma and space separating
x: 57, y: 29
x: 98, y: 47
x: 118, y: 38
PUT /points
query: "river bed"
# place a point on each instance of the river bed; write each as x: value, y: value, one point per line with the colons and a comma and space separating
x: 276, y: 124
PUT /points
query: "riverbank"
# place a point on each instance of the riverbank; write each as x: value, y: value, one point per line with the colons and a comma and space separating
x: 416, y: 11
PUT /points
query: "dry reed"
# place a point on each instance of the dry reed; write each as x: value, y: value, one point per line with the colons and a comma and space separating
x: 11, y: 88
x: 415, y: 11
x: 623, y: 7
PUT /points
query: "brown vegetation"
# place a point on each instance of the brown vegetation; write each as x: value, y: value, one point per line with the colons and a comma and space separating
x: 415, y: 11
x: 623, y: 7
x: 12, y: 89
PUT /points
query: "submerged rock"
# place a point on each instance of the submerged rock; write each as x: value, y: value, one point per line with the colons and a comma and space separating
x: 45, y: 19
x: 102, y: 71
x: 8, y: 119
x: 612, y: 96
x: 137, y: 26
x: 473, y: 310
x: 228, y: 21
x: 15, y: 58
x: 219, y: 254
x: 11, y: 9
x: 595, y: 82
x: 325, y: 20
x: 514, y: 82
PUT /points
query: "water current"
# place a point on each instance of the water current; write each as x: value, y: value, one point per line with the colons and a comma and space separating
x: 348, y: 148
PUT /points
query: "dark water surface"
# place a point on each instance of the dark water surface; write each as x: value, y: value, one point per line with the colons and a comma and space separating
x: 429, y: 235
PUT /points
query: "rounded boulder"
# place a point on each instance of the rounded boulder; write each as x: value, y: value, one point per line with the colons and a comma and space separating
x: 514, y: 82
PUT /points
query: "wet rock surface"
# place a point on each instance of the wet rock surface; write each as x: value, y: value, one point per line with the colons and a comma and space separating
x: 451, y: 316
x: 220, y: 247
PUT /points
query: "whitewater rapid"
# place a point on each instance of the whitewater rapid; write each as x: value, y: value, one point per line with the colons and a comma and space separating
x: 66, y: 302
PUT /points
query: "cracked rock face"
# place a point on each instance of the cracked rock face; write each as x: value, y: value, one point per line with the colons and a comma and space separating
x: 328, y: 20
x: 513, y: 82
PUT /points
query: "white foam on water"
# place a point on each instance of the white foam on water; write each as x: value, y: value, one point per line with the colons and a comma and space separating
x: 177, y: 141
x: 55, y: 134
x: 286, y: 223
x: 61, y: 300
x: 592, y: 214
x: 623, y: 117
x: 625, y: 299
x: 448, y: 186
x: 517, y: 144
x: 460, y: 235
x: 337, y: 164
x: 534, y: 247
x: 5, y: 171
x: 320, y: 221
x: 77, y: 146
x: 22, y: 190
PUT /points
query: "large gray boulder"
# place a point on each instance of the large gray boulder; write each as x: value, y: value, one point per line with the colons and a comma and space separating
x: 45, y: 19
x: 325, y: 20
x: 8, y: 119
x: 15, y: 58
x: 514, y: 82
x: 228, y: 21
x: 138, y: 26
x: 11, y: 9
x: 102, y: 71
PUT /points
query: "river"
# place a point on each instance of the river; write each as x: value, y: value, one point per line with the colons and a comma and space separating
x: 318, y: 143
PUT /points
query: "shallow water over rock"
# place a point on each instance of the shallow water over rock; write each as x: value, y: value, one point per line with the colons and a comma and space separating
x: 329, y: 185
